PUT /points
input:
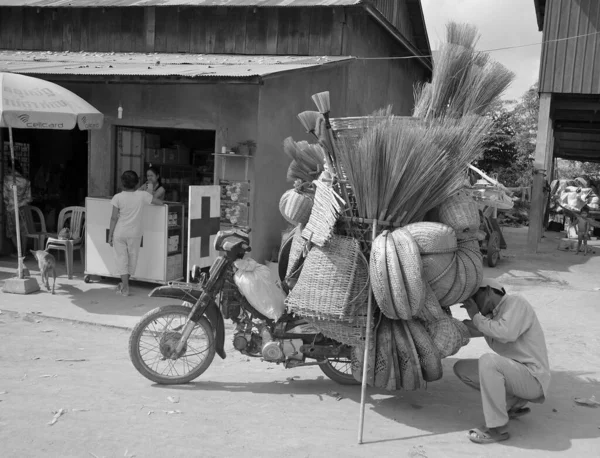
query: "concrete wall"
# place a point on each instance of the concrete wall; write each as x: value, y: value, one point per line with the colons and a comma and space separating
x: 230, y: 110
x: 356, y: 89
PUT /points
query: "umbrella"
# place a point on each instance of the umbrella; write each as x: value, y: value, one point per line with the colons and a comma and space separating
x: 32, y: 103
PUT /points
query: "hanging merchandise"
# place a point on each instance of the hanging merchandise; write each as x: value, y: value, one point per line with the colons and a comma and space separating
x: 392, y: 222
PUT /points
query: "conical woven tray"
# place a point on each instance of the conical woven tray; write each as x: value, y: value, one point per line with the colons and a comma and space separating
x: 378, y: 273
x: 407, y: 251
x: 396, y: 283
x: 407, y: 357
x: 429, y: 356
x: 445, y: 336
x: 432, y: 310
x: 383, y: 353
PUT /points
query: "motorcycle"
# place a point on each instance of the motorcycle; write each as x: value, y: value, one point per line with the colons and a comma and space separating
x: 175, y: 344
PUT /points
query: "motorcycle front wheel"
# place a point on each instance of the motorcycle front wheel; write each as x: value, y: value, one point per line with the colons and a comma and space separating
x: 153, y: 341
x: 339, y: 370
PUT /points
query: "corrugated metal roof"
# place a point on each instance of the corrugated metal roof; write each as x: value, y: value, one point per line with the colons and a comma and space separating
x: 126, y: 3
x: 193, y: 66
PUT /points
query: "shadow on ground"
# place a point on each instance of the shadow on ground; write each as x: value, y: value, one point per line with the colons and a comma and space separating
x: 566, y: 423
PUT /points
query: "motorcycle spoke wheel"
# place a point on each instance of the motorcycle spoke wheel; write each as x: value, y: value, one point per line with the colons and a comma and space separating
x: 339, y: 370
x: 154, y: 339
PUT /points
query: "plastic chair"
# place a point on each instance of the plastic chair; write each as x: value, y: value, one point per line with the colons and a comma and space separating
x: 39, y: 237
x: 77, y: 227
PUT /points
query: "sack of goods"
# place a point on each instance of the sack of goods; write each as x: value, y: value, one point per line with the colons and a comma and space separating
x: 255, y: 282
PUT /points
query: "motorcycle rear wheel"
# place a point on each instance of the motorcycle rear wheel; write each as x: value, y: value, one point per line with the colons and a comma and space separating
x: 339, y: 370
x: 148, y: 339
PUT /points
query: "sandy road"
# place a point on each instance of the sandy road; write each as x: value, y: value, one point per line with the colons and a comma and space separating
x: 248, y: 408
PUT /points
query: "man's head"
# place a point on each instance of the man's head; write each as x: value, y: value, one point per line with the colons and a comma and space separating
x: 489, y: 295
x: 129, y: 179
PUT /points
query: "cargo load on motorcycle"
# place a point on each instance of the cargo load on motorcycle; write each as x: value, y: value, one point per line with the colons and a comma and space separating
x: 384, y: 241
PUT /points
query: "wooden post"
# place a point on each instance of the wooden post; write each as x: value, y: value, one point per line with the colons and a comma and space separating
x: 365, y: 372
x: 543, y: 159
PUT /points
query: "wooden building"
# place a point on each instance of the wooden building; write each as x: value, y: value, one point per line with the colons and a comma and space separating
x: 204, y: 77
x: 569, y: 116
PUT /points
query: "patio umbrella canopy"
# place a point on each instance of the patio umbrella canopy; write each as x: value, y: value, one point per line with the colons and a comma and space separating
x: 32, y: 103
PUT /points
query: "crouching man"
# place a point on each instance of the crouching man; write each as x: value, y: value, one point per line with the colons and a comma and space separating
x: 518, y: 371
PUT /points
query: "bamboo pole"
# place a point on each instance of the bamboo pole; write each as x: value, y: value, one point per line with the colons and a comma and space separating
x: 365, y: 372
x: 15, y: 197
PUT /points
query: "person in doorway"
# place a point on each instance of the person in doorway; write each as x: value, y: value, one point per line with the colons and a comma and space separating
x: 518, y: 372
x: 583, y: 230
x: 23, y: 199
x: 125, y: 232
x: 153, y: 183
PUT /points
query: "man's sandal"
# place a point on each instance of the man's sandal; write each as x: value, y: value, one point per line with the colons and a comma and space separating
x: 512, y: 414
x: 485, y: 435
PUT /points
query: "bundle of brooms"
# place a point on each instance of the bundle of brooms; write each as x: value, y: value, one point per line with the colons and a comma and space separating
x: 396, y: 172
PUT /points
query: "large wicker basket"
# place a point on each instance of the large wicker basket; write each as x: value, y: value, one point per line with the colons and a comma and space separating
x: 333, y: 284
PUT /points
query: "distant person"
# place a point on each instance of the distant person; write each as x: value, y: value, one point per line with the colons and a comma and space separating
x: 23, y: 199
x: 518, y: 372
x: 125, y: 233
x: 153, y: 183
x: 583, y: 230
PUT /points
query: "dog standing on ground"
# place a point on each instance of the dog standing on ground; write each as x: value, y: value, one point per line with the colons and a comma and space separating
x: 46, y: 263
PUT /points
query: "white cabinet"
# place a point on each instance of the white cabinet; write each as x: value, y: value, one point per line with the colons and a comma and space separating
x: 161, y: 254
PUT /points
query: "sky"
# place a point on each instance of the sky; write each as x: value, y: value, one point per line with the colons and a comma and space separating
x: 501, y: 23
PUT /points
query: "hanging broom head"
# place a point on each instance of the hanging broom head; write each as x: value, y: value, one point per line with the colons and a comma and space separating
x: 322, y: 102
x: 309, y: 120
x: 465, y: 81
x: 307, y: 160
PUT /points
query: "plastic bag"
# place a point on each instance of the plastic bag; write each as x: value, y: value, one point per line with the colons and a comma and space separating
x: 255, y: 282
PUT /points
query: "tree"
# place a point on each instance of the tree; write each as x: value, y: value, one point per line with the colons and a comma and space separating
x: 510, y: 146
x: 572, y: 169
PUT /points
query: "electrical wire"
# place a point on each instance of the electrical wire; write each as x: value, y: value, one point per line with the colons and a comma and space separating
x: 485, y: 50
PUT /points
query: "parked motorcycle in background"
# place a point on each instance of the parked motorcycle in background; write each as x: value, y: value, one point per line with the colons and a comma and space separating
x: 175, y: 344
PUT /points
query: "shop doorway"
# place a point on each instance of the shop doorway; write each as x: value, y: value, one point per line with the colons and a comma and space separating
x: 56, y: 164
x: 184, y: 157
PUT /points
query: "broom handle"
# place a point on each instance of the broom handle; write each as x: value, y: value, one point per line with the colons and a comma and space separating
x: 334, y: 158
x: 363, y: 391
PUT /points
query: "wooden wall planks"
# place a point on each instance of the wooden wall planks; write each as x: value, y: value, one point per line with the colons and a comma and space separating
x: 219, y: 30
x: 573, y: 65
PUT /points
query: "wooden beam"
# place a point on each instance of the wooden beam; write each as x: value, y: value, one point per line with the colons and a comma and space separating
x: 543, y: 157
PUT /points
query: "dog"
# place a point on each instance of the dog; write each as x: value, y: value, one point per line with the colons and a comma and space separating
x: 46, y: 263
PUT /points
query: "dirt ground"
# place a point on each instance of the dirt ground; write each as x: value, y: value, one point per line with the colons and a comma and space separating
x: 250, y: 408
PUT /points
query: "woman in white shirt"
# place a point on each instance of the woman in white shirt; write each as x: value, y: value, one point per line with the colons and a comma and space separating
x: 125, y: 233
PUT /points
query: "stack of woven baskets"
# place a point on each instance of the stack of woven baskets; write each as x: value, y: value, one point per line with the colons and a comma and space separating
x: 417, y: 272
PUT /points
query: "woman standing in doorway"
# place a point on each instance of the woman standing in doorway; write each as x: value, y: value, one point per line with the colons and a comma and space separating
x: 153, y: 183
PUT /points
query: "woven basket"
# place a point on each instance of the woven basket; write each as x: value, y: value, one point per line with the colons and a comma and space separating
x: 356, y: 362
x: 469, y: 253
x: 410, y: 369
x: 325, y: 212
x: 457, y: 290
x: 445, y: 336
x: 343, y: 332
x: 433, y: 238
x: 297, y: 254
x: 395, y: 281
x: 429, y: 356
x: 464, y: 331
x: 378, y: 272
x: 437, y: 245
x: 407, y: 251
x: 461, y: 213
x: 383, y: 353
x: 333, y: 284
x: 296, y: 206
x: 432, y: 310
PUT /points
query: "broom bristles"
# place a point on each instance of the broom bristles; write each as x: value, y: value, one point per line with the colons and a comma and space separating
x: 309, y: 120
x: 322, y: 101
